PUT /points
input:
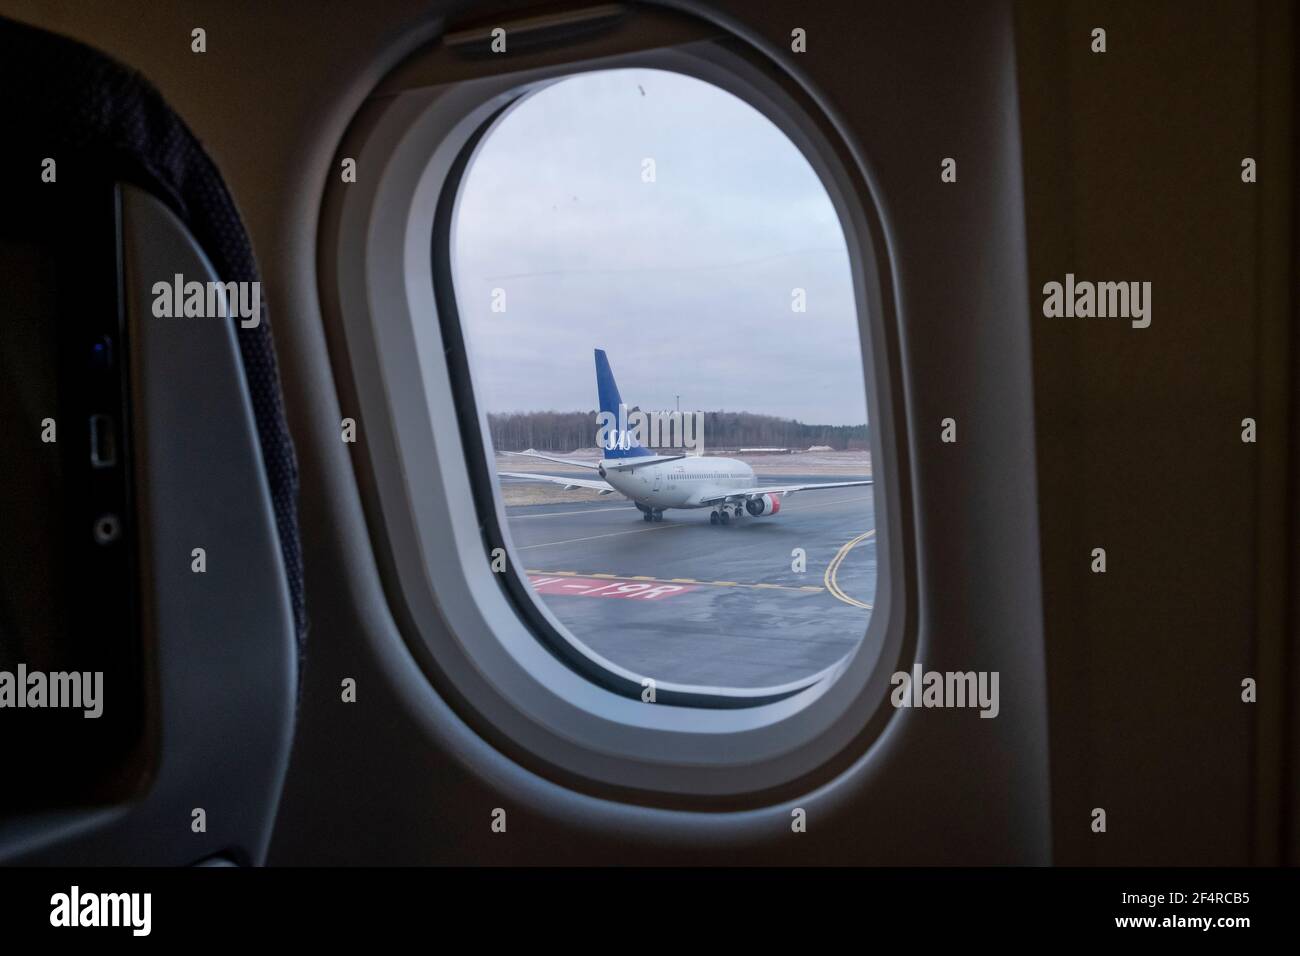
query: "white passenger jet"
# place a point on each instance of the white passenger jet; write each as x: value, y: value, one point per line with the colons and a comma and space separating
x: 656, y: 483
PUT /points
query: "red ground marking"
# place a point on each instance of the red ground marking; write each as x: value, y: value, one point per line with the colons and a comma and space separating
x: 606, y: 587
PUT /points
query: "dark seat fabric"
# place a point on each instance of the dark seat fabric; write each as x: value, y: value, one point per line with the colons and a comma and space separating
x: 95, y: 117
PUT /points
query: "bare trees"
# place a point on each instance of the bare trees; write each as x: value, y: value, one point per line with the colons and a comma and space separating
x: 568, y: 431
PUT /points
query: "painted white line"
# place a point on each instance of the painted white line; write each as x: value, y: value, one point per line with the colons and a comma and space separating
x: 612, y: 534
x: 558, y: 514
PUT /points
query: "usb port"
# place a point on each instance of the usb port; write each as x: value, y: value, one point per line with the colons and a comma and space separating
x: 103, y: 442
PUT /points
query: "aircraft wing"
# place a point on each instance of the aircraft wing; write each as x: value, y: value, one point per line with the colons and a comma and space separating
x: 781, y: 490
x: 565, y: 461
x: 568, y: 483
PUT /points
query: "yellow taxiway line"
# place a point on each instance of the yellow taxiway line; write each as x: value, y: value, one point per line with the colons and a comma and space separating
x: 833, y: 569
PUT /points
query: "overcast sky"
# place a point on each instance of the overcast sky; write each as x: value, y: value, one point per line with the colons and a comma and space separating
x: 686, y: 282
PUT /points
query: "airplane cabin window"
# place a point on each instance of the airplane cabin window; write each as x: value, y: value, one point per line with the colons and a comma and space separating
x: 656, y: 298
x: 616, y: 351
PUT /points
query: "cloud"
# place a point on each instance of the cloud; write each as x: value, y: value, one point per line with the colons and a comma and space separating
x: 686, y: 281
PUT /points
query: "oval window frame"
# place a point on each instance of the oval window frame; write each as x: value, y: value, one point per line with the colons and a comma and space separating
x: 485, y: 656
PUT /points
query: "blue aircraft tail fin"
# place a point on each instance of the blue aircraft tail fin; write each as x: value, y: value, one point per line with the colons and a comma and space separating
x: 614, y: 431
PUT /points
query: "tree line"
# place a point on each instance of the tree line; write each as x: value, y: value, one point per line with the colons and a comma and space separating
x: 568, y: 431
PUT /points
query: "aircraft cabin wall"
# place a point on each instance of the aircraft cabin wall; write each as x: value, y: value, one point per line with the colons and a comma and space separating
x: 1120, y: 689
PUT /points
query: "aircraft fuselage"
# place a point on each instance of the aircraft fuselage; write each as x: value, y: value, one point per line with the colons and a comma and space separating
x: 682, y: 483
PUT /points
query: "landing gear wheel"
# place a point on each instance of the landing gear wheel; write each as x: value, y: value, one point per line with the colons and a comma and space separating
x: 658, y: 516
x: 738, y: 511
x: 724, y: 517
x: 647, y: 516
x: 713, y: 517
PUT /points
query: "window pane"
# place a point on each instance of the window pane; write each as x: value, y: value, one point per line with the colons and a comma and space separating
x: 655, y: 287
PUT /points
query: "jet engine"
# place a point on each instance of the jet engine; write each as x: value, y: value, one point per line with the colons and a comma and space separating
x: 762, y: 505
